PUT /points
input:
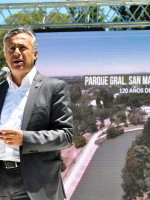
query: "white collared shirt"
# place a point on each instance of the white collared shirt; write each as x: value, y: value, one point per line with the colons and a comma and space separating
x: 12, y: 113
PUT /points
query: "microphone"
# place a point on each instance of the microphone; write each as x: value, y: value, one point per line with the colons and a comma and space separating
x: 5, y: 71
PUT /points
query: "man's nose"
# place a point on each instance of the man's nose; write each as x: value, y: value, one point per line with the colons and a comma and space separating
x: 17, y: 51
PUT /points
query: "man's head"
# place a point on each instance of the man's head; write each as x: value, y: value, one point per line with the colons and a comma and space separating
x: 20, y: 50
x: 21, y: 30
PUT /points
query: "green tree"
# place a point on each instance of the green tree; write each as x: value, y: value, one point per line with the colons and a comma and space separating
x: 87, y: 114
x: 122, y: 99
x: 27, y: 18
x: 115, y: 108
x: 136, y: 172
x: 106, y: 97
x: 84, y: 119
x: 146, y: 134
x: 37, y: 17
x: 133, y: 118
x: 92, y: 125
x: 102, y: 114
x: 55, y: 17
x: 80, y: 141
x: 2, y: 58
x: 75, y: 93
x: 133, y: 12
x: 113, y: 132
x: 121, y: 116
x: 132, y: 100
x: 82, y: 15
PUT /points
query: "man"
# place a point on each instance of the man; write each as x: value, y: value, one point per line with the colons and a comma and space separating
x: 36, y: 123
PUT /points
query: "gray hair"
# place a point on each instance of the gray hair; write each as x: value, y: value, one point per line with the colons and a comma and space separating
x: 21, y: 30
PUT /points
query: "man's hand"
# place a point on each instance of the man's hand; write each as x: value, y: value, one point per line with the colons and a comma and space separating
x: 12, y: 137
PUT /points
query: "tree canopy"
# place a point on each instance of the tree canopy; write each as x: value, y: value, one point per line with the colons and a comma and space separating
x: 136, y: 172
x: 2, y: 58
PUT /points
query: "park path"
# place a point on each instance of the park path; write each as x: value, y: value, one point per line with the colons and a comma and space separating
x: 80, y: 166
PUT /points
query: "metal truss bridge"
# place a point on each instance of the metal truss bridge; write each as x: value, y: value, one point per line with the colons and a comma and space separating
x: 76, y: 14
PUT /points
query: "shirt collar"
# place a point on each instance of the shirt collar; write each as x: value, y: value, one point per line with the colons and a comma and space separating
x: 26, y: 81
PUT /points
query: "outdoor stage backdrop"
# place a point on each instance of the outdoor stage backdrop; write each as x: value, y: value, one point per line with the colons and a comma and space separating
x: 109, y: 78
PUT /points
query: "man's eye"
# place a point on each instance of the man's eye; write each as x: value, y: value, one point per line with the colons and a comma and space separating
x: 23, y: 48
x: 11, y: 49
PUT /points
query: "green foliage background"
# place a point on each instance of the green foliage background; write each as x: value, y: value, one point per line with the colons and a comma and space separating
x: 136, y: 172
x: 80, y: 141
x: 2, y: 59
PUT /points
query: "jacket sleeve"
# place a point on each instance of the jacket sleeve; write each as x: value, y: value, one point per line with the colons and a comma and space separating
x: 60, y: 133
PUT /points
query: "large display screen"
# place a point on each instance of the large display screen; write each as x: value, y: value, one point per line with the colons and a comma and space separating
x: 109, y: 75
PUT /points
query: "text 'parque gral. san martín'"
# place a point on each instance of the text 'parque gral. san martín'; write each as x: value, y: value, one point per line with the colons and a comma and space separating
x: 122, y: 80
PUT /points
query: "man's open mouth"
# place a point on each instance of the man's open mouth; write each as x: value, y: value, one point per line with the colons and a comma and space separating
x: 17, y: 61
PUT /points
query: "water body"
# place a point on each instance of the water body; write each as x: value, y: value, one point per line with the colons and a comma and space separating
x: 102, y: 179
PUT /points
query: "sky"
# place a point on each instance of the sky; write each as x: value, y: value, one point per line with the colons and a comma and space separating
x: 28, y: 1
x: 93, y: 53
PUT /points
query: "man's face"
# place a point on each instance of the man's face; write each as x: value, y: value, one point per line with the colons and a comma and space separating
x: 19, y: 54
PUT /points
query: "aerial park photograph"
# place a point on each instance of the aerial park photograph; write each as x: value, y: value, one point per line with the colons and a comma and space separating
x: 110, y: 103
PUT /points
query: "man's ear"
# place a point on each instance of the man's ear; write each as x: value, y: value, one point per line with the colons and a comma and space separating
x: 35, y: 54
